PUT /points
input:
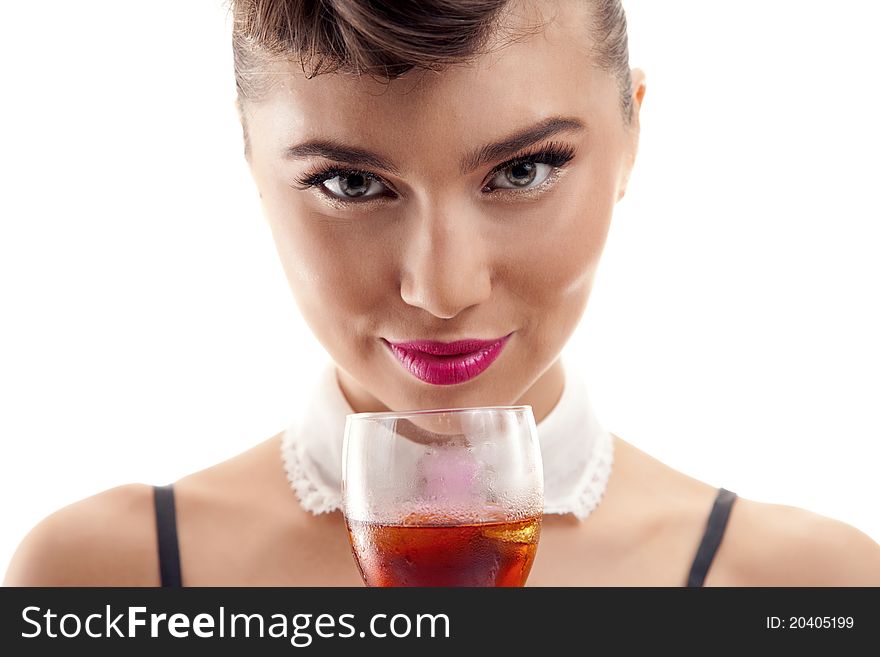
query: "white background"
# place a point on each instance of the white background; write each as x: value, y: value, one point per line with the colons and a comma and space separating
x: 147, y: 328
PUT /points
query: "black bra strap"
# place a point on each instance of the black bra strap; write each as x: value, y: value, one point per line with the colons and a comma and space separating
x: 715, y: 527
x: 166, y: 528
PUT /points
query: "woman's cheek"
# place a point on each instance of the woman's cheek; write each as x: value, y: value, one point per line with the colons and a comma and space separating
x: 559, y: 261
x: 339, y: 283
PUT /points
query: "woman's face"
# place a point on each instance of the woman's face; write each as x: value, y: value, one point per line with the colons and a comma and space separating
x: 444, y: 239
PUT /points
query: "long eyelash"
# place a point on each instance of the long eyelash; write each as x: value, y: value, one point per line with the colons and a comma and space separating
x: 555, y: 154
x: 316, y: 177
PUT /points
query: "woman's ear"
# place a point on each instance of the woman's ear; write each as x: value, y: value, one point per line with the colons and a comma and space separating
x: 638, y: 89
x: 637, y: 77
x: 239, y: 109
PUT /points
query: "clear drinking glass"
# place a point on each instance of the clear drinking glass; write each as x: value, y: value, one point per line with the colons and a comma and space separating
x: 443, y: 497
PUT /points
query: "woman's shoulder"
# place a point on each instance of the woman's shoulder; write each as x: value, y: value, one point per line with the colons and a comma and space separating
x: 763, y: 544
x: 106, y: 539
x: 768, y: 544
x: 110, y: 538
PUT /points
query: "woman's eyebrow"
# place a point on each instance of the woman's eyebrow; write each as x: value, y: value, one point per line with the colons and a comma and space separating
x: 360, y: 157
x: 335, y: 150
x: 519, y: 140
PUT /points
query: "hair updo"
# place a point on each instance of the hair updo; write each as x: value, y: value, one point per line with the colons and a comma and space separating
x: 387, y: 38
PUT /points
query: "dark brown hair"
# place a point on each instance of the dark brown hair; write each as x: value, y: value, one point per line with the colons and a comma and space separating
x: 387, y: 38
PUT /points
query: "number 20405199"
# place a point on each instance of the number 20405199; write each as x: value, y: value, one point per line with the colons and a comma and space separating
x: 813, y: 622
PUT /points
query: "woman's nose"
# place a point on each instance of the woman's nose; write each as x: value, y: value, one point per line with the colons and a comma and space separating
x: 445, y: 263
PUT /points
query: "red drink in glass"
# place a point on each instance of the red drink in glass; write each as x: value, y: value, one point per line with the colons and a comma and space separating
x: 497, y: 553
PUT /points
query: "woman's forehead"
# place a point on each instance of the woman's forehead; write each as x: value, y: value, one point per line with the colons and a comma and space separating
x: 517, y: 84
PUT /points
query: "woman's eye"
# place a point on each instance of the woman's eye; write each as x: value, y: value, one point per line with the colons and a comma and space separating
x: 353, y: 186
x: 523, y: 175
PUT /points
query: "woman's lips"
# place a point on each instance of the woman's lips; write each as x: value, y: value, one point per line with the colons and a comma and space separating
x: 447, y: 363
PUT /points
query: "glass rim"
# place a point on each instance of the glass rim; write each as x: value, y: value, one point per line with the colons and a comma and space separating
x: 434, y: 411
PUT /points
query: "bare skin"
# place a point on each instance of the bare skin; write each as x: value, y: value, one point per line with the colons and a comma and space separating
x: 439, y: 255
x: 240, y: 525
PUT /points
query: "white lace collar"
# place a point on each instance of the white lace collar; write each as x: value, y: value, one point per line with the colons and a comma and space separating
x: 577, y: 452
